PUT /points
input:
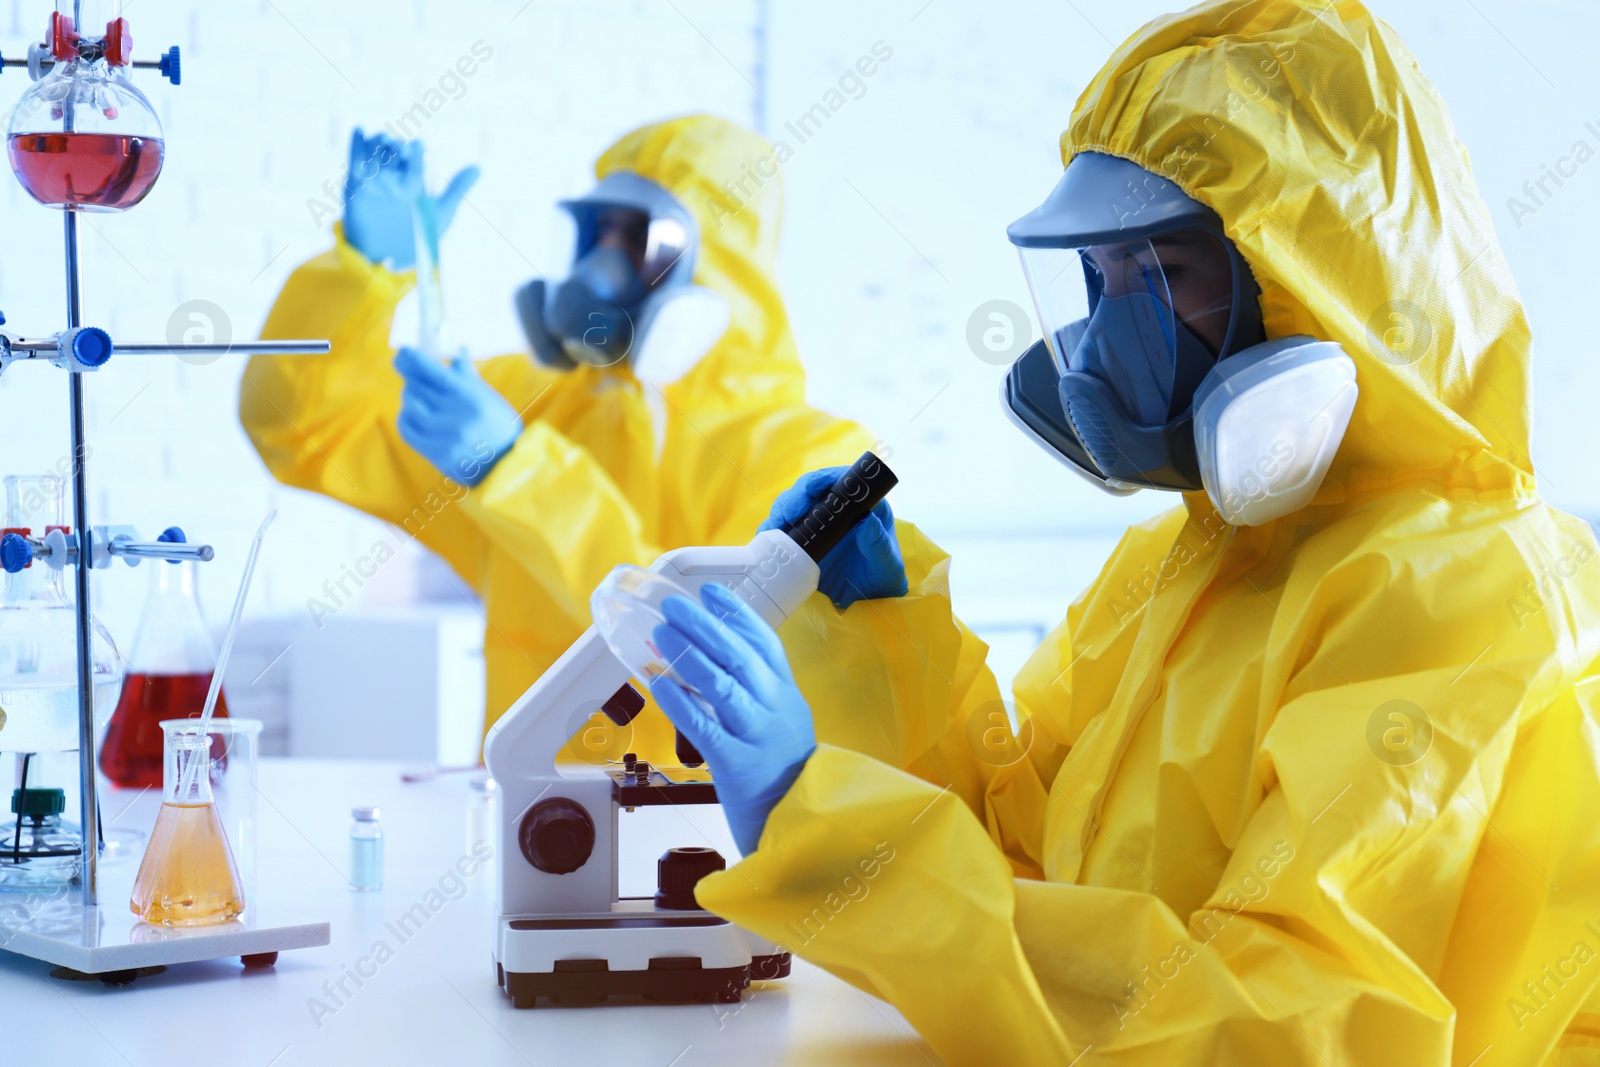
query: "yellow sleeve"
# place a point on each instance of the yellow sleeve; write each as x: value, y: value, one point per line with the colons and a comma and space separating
x: 893, y: 885
x: 552, y: 507
x: 904, y: 681
x: 327, y: 423
x: 581, y: 491
x: 1371, y: 913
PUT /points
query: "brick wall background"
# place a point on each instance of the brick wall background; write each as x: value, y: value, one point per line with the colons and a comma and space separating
x: 896, y: 209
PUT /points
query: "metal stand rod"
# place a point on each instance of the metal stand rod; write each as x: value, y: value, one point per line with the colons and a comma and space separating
x: 245, y: 348
x: 49, y: 347
x: 80, y: 518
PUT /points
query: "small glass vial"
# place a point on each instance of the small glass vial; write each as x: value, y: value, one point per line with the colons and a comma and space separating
x: 366, y: 851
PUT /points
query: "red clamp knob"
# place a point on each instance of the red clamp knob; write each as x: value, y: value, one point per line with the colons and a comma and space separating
x: 119, y: 43
x: 63, y: 529
x: 62, y: 37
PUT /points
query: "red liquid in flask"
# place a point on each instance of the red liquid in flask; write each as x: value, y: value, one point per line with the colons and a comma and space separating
x: 108, y: 171
x: 132, y: 753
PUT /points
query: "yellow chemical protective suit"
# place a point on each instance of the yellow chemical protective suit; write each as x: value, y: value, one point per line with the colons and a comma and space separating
x: 588, y: 485
x: 1319, y: 792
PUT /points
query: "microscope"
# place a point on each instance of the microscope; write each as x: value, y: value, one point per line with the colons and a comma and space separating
x: 563, y: 932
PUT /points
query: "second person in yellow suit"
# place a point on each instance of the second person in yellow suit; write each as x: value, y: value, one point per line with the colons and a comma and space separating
x: 1309, y: 774
x: 606, y: 468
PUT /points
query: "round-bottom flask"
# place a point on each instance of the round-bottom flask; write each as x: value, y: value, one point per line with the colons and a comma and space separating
x: 83, y: 136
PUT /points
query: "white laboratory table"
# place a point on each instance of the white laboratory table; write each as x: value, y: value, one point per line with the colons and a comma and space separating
x: 433, y: 998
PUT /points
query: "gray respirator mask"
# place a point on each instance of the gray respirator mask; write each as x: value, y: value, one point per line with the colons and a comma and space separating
x: 629, y: 294
x: 1155, y: 371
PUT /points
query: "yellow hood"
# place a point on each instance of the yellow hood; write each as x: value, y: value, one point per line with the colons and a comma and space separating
x: 715, y: 169
x: 1310, y: 129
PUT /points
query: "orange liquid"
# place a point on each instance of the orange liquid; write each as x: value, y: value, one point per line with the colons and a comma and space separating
x: 187, y: 877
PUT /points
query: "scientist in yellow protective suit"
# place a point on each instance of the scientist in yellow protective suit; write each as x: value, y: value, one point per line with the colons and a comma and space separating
x: 1310, y: 774
x: 663, y: 406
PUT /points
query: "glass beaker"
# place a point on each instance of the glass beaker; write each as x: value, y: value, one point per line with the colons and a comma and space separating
x: 187, y: 877
x: 39, y: 637
x: 82, y: 136
x: 169, y: 675
x: 235, y: 748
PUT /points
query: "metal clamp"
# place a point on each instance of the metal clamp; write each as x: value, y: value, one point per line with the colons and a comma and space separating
x: 84, y: 348
x: 41, y: 60
x: 59, y: 548
x: 171, y: 546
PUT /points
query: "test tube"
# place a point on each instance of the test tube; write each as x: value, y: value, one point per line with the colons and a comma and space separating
x: 430, y: 299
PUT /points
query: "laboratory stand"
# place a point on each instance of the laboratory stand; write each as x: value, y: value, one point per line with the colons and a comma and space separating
x: 83, y: 138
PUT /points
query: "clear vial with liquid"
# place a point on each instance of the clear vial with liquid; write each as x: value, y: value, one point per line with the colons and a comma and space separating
x: 366, y: 851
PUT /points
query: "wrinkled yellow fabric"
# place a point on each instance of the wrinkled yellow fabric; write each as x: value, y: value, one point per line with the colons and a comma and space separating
x: 1318, y: 792
x: 587, y: 485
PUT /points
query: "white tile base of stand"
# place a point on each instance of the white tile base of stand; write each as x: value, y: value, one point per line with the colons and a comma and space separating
x: 110, y: 938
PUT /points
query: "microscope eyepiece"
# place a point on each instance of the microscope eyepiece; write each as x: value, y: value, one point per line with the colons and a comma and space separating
x: 846, y: 503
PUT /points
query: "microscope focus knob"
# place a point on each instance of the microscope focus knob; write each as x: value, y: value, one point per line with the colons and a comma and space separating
x: 679, y: 870
x: 556, y: 835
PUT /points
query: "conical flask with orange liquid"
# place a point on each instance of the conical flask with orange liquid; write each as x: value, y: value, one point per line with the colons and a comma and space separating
x: 188, y: 877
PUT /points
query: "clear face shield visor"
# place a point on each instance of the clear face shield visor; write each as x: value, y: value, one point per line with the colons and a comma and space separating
x: 1145, y: 318
x: 633, y: 247
x: 651, y: 244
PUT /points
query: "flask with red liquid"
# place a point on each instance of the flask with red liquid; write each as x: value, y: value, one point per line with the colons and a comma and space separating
x: 168, y: 676
x: 83, y: 136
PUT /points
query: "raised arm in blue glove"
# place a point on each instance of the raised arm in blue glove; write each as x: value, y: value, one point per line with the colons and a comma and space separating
x: 867, y: 564
x: 759, y: 736
x: 452, y: 417
x: 383, y: 183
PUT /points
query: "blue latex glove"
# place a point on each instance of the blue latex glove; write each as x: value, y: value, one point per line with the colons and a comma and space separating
x: 452, y: 417
x: 761, y: 735
x: 383, y: 183
x: 867, y: 564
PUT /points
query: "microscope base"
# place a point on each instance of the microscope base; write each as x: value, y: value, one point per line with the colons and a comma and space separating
x: 663, y: 956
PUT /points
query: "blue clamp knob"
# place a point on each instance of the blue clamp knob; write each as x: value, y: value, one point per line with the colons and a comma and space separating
x: 15, y: 553
x: 2, y: 318
x: 171, y: 66
x: 173, y: 535
x: 91, y: 346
